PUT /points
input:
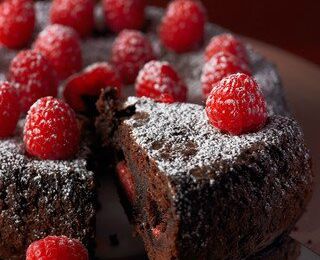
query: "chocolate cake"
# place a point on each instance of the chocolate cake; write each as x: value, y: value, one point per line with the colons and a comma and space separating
x: 193, y: 183
x: 201, y: 194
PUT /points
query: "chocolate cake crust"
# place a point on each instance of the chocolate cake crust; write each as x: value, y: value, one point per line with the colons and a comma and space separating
x: 40, y: 198
x: 211, y: 195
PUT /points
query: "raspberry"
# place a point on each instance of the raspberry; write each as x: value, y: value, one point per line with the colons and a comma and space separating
x: 57, y: 247
x: 61, y: 46
x: 124, y: 14
x: 89, y: 83
x: 17, y: 22
x: 236, y: 105
x: 130, y: 51
x: 77, y: 14
x: 159, y: 81
x: 51, y: 130
x: 33, y: 76
x: 165, y: 98
x: 126, y: 180
x: 227, y: 43
x: 9, y: 109
x: 219, y: 66
x: 182, y: 26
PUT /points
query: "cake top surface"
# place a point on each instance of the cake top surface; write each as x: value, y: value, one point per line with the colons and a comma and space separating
x: 181, y: 140
x: 14, y: 157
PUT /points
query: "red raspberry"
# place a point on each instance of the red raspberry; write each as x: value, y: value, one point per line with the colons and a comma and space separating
x: 236, y: 105
x: 159, y: 81
x: 51, y: 130
x: 57, y: 247
x: 17, y: 22
x: 130, y: 51
x: 227, y: 43
x: 61, y: 46
x: 219, y: 66
x: 77, y: 14
x: 9, y: 109
x: 126, y: 180
x: 33, y: 77
x: 89, y: 83
x: 165, y: 98
x: 182, y: 26
x: 124, y: 14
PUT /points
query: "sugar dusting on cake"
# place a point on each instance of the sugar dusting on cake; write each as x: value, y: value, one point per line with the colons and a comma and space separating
x: 177, y: 127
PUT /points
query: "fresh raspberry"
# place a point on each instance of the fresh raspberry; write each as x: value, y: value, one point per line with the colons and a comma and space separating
x: 89, y: 84
x: 17, y: 22
x: 61, y: 46
x: 182, y: 26
x: 9, y: 109
x: 126, y: 180
x: 165, y: 98
x: 51, y: 130
x: 77, y: 14
x: 236, y: 105
x: 124, y: 14
x: 158, y: 80
x: 227, y: 43
x: 33, y: 76
x: 130, y: 51
x: 219, y: 66
x: 57, y: 247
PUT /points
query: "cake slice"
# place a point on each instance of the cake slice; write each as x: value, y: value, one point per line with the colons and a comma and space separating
x: 195, y: 193
x: 43, y: 197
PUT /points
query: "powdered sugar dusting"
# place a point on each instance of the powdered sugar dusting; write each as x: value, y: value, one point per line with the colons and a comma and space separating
x: 177, y: 126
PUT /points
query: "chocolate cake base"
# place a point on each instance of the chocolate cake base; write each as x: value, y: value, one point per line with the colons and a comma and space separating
x: 202, y: 194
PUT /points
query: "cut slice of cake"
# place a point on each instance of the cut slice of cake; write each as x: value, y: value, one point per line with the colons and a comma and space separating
x: 43, y: 197
x: 195, y: 193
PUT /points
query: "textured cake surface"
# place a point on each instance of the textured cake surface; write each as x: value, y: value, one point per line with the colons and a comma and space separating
x: 39, y: 198
x: 186, y: 125
x: 229, y: 196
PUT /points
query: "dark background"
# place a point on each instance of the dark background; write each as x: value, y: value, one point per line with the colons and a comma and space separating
x: 292, y: 25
